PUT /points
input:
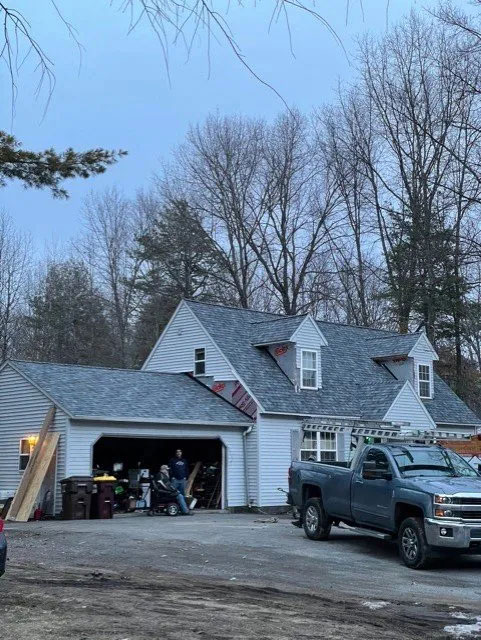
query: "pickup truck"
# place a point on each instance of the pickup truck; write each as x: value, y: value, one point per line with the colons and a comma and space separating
x: 425, y: 496
x: 3, y: 550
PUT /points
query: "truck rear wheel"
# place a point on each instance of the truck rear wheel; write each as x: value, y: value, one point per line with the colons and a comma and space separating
x: 317, y: 526
x: 413, y: 548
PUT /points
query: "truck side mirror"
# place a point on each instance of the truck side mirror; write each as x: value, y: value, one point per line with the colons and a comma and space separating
x: 371, y: 472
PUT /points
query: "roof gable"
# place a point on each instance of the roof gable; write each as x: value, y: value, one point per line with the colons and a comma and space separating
x: 423, y: 348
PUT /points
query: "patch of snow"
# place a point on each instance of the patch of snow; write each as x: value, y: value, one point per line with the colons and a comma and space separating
x: 460, y: 615
x: 464, y: 630
x: 374, y: 605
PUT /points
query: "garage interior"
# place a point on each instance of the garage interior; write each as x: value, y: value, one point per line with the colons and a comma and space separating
x: 119, y: 455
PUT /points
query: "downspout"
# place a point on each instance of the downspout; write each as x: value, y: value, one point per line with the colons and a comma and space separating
x: 245, y: 433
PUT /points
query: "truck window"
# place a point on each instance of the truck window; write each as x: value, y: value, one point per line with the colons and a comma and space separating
x: 431, y: 462
x: 379, y: 457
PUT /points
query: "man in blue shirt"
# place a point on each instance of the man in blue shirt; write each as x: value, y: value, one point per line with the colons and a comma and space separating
x: 179, y: 471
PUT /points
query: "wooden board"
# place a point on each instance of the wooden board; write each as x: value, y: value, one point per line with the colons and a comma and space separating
x: 25, y: 481
x: 192, y: 477
x: 39, y: 471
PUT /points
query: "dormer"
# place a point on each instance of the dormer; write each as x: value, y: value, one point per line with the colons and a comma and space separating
x: 408, y: 357
x: 295, y: 344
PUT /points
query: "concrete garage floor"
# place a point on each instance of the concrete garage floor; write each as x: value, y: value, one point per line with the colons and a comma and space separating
x: 224, y: 576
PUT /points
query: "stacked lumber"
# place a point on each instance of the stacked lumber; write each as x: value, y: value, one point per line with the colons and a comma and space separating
x: 35, y: 472
x: 471, y: 447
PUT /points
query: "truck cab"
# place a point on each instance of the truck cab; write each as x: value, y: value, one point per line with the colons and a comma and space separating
x: 425, y: 496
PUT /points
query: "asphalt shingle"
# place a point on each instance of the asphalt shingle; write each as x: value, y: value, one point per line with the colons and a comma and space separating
x: 275, y: 330
x: 396, y: 345
x: 127, y: 393
x: 353, y: 383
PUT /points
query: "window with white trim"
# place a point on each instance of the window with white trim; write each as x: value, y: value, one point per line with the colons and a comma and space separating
x: 424, y: 380
x: 319, y: 447
x: 308, y: 369
x: 199, y: 362
x: 25, y: 451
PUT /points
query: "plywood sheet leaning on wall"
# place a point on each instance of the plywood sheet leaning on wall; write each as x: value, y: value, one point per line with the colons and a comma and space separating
x: 34, y: 468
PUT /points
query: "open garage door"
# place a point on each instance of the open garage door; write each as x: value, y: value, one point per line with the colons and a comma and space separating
x: 121, y: 455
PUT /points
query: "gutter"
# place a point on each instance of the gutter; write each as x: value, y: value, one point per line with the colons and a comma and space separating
x: 245, y: 433
x: 159, y: 421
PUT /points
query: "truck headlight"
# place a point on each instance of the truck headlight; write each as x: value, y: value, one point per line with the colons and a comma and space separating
x: 438, y: 499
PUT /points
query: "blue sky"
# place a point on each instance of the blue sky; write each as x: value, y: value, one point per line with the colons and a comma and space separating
x: 121, y: 98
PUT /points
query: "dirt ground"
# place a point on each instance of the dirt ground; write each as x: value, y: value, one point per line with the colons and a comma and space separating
x: 117, y: 581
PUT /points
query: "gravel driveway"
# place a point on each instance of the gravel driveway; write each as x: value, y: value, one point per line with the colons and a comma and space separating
x: 224, y: 576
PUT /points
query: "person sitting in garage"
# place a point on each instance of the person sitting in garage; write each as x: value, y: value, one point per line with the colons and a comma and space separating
x: 179, y: 471
x: 164, y: 483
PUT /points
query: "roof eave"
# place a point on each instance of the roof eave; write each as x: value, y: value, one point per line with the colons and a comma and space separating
x: 138, y: 419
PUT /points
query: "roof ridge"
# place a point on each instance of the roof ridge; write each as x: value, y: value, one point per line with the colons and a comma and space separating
x: 395, y: 335
x: 231, y: 306
x: 297, y: 315
x: 93, y: 366
x: 357, y: 326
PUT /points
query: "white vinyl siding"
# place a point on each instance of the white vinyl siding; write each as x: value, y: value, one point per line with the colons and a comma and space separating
x: 22, y: 411
x: 174, y: 352
x: 275, y: 457
x: 407, y: 407
x: 83, y: 436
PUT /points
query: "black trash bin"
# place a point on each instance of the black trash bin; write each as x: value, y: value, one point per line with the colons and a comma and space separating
x: 103, y: 497
x: 76, y: 497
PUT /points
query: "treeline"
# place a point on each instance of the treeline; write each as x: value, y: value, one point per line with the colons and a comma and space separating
x: 366, y: 211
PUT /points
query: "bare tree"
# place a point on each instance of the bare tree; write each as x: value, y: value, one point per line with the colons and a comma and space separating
x: 15, y: 252
x: 111, y: 225
x: 292, y: 220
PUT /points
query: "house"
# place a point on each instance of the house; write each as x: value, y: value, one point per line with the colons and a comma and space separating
x: 250, y: 389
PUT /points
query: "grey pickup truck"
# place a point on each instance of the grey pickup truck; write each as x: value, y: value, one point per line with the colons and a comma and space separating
x: 425, y: 496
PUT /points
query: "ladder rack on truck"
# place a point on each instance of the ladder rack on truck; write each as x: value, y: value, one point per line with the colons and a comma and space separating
x: 383, y: 431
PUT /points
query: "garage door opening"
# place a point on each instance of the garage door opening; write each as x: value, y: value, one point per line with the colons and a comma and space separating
x: 123, y: 455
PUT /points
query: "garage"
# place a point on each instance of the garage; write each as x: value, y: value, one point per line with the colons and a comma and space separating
x: 131, y: 419
x: 126, y: 456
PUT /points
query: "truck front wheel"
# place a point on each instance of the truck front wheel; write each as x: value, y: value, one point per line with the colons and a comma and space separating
x: 317, y: 526
x: 413, y: 548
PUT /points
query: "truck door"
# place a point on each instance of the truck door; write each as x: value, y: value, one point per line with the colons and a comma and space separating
x: 371, y: 494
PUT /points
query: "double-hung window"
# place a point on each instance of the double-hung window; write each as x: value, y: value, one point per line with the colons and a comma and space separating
x: 319, y: 447
x: 424, y: 380
x: 199, y: 362
x: 309, y: 369
x: 26, y: 448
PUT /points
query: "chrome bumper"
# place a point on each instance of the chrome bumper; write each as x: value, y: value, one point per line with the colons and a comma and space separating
x: 463, y: 533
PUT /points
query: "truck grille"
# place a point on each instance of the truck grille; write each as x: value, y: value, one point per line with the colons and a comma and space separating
x: 470, y: 515
x: 466, y: 500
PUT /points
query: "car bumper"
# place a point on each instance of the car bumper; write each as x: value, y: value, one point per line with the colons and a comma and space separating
x: 452, y: 534
x: 3, y: 553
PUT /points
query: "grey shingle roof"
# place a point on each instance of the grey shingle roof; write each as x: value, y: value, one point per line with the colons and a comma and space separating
x: 275, y: 330
x: 394, y: 345
x: 127, y: 393
x: 447, y: 407
x: 353, y: 383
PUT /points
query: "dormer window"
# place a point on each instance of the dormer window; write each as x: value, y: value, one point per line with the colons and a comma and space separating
x: 309, y: 369
x: 424, y: 380
x: 199, y: 362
